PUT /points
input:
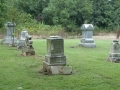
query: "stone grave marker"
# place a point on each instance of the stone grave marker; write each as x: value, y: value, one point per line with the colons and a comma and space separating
x: 28, y: 49
x: 114, y: 54
x: 87, y: 33
x: 55, y: 60
x: 10, y: 38
x: 21, y: 43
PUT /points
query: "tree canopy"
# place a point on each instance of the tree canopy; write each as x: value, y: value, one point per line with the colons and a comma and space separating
x: 68, y: 13
x: 2, y: 12
x: 106, y: 13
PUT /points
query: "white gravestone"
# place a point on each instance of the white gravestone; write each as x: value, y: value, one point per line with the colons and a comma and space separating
x: 87, y: 33
x: 21, y: 43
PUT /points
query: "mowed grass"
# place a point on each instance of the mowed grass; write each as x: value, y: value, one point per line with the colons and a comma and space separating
x: 91, y: 71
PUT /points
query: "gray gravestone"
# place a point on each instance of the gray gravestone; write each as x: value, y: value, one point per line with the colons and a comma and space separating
x: 9, y: 38
x: 87, y: 33
x: 21, y: 43
x: 55, y: 60
x: 114, y: 54
x: 28, y: 49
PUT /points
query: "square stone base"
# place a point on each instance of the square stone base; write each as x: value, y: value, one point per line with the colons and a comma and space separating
x: 114, y: 57
x: 48, y: 69
x: 87, y: 42
x: 8, y: 40
x: 88, y: 45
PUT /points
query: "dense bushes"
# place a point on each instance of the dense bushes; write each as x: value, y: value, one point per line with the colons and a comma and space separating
x: 51, y: 17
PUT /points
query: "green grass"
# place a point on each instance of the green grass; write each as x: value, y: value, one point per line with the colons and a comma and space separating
x: 91, y: 71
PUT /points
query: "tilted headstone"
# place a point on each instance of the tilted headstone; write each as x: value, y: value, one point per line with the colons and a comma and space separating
x: 87, y: 33
x: 28, y: 48
x: 21, y: 43
x: 55, y: 60
x: 10, y: 38
x: 114, y: 54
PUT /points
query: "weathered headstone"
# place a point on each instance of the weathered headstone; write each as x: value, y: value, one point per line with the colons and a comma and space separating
x: 87, y: 33
x: 10, y: 38
x: 28, y: 49
x: 55, y: 60
x: 114, y: 54
x: 21, y: 43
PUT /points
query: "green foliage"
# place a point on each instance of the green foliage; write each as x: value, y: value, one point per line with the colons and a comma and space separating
x: 2, y: 12
x: 12, y: 14
x: 70, y: 14
x: 40, y: 29
x: 33, y: 7
x: 106, y: 13
x: 67, y: 13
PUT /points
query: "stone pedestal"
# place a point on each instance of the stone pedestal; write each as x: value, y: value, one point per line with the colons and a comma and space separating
x: 10, y: 38
x: 21, y: 43
x: 28, y: 49
x: 114, y: 54
x: 55, y: 60
x: 87, y: 33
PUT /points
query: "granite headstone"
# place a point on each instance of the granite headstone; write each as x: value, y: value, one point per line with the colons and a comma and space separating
x: 87, y: 33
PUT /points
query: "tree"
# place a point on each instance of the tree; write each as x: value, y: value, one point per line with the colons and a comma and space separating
x: 67, y: 13
x: 116, y: 12
x: 2, y: 12
x: 106, y: 13
x: 33, y: 7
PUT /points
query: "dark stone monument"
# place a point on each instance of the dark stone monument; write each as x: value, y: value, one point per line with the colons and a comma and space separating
x: 87, y: 33
x: 28, y: 49
x: 21, y: 43
x: 114, y: 54
x: 55, y: 60
x: 10, y: 38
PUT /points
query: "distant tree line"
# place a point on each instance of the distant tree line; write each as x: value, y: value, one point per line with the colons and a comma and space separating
x: 68, y: 13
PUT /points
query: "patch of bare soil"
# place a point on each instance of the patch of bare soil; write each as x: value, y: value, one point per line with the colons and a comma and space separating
x: 105, y: 37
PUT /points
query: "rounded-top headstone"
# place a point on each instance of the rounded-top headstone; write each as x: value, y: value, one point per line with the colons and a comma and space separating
x: 87, y: 27
x: 24, y: 33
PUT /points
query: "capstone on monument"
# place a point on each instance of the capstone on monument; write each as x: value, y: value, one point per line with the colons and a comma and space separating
x: 87, y: 33
x: 55, y: 60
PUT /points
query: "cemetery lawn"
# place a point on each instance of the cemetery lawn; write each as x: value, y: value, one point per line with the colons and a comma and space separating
x: 91, y: 71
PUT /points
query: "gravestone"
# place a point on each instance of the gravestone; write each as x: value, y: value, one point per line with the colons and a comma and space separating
x: 10, y: 38
x: 114, y: 54
x: 55, y: 60
x: 21, y: 43
x: 87, y: 33
x: 28, y: 49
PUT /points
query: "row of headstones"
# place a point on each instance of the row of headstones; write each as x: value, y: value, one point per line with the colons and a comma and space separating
x: 55, y: 60
x: 86, y: 41
x: 25, y: 42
